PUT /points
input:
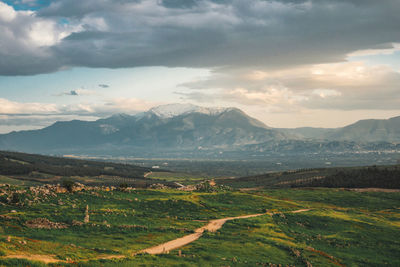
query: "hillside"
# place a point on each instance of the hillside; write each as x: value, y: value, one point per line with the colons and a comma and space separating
x: 349, y: 177
x: 152, y: 131
x: 371, y: 130
x: 30, y: 168
x: 188, y: 131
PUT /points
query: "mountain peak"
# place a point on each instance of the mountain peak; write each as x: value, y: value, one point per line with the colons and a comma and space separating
x: 173, y: 110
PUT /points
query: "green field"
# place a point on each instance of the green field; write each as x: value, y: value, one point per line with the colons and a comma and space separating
x: 41, y: 222
x: 341, y: 228
x: 183, y: 178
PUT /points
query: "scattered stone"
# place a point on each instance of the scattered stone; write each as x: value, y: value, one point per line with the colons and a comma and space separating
x: 159, y: 186
x: 76, y: 223
x: 296, y: 252
x: 43, y: 223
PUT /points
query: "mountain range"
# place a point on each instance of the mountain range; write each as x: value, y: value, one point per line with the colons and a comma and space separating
x: 184, y: 128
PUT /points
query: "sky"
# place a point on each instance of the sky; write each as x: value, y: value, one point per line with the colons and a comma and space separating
x: 288, y: 63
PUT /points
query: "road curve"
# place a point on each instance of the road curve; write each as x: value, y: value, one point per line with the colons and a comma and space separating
x: 212, y: 226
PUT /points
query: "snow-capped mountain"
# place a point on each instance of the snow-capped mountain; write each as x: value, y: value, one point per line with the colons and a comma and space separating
x: 176, y: 126
x: 173, y: 110
x: 184, y: 129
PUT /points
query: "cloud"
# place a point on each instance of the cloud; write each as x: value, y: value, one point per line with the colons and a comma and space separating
x: 387, y: 49
x: 104, y: 85
x: 26, y: 40
x: 97, y: 109
x: 197, y: 33
x: 8, y: 107
x: 26, y: 116
x: 127, y: 105
x: 73, y: 92
x: 78, y: 92
x: 339, y: 86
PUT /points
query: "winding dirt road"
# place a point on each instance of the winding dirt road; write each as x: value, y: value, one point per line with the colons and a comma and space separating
x: 212, y: 226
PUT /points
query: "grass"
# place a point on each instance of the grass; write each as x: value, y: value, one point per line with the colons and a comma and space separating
x: 11, y: 181
x: 342, y: 228
x: 183, y: 178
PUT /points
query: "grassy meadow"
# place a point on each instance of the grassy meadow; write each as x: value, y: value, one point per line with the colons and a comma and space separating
x: 342, y: 228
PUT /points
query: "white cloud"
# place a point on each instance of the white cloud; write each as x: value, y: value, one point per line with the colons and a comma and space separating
x: 11, y: 107
x: 24, y: 116
x: 25, y: 41
x: 7, y: 13
x: 97, y: 109
x: 325, y: 93
x: 345, y: 86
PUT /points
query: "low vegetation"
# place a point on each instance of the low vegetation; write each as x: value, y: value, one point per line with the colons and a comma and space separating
x: 351, y: 177
x: 72, y: 224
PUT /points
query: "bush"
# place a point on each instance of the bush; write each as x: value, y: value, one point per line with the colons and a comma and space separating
x: 68, y: 184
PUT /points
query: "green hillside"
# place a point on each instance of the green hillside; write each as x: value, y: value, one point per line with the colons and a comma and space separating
x: 350, y: 177
x: 28, y: 168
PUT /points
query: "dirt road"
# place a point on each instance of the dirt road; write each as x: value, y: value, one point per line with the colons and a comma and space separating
x: 212, y: 226
x: 147, y: 174
x: 298, y: 211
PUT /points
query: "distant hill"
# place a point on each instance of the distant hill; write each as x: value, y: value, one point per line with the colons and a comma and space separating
x: 361, y: 131
x: 161, y: 128
x: 319, y: 146
x: 339, y: 177
x: 33, y: 168
x: 368, y: 131
x: 184, y: 130
x: 14, y: 163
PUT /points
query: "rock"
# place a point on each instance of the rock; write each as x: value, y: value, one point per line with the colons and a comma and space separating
x: 158, y: 186
x: 43, y: 223
x: 76, y: 223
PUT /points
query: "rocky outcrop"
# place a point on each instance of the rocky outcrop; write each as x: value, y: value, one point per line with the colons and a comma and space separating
x: 43, y: 223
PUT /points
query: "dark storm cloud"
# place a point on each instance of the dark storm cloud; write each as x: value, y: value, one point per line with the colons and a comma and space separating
x: 205, y: 33
x: 179, y: 3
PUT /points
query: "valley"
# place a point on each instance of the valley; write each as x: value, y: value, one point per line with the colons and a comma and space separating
x: 210, y: 133
x: 268, y: 220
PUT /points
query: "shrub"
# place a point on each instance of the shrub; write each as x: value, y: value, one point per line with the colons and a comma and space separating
x: 68, y: 184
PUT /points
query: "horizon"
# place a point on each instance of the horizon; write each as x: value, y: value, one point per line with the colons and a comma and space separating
x: 137, y: 113
x: 289, y: 64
